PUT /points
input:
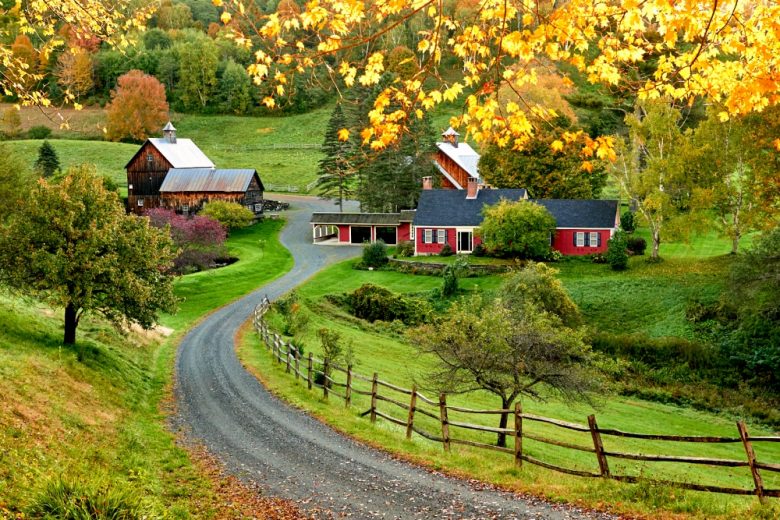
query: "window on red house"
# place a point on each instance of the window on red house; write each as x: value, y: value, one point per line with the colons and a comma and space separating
x: 441, y: 235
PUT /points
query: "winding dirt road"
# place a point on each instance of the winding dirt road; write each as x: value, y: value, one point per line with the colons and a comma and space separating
x: 288, y: 454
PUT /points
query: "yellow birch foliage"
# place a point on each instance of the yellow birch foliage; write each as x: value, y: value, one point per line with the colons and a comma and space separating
x: 728, y: 52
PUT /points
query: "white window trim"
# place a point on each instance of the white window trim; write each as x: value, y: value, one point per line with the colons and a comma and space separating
x: 411, y: 232
x: 594, y: 239
x: 580, y: 238
x: 428, y: 236
x: 140, y: 202
x: 441, y: 236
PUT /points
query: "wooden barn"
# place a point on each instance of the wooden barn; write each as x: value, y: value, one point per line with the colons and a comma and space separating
x: 151, y: 163
x: 457, y: 162
x: 187, y: 190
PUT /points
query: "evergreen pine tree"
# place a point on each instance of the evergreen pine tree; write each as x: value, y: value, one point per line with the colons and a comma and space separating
x: 336, y: 168
x: 391, y: 179
x: 47, y: 163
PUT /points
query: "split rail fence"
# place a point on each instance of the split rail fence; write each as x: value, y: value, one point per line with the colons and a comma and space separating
x: 321, y: 374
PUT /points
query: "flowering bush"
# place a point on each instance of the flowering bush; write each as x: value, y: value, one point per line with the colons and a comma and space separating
x: 201, y: 240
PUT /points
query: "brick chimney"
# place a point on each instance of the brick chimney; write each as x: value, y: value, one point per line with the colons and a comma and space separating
x: 451, y: 136
x: 169, y: 133
x: 472, y: 188
x: 427, y: 183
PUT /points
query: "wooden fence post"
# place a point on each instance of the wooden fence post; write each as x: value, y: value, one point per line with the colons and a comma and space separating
x: 309, y: 374
x: 599, y: 447
x: 410, y: 417
x: 325, y: 378
x: 297, y: 364
x: 518, y: 434
x: 277, y: 347
x: 751, y: 455
x: 348, y: 392
x: 289, y: 354
x: 374, y: 385
x: 445, y: 423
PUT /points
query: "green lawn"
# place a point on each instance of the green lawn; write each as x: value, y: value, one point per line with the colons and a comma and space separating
x: 262, y: 258
x: 648, y: 298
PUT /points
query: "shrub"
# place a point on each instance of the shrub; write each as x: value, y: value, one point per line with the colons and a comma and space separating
x: 39, y: 132
x: 375, y: 254
x: 450, y: 285
x: 554, y: 256
x: 405, y: 249
x: 616, y: 252
x: 628, y: 221
x: 294, y: 317
x: 636, y: 245
x: 598, y: 258
x: 200, y: 239
x: 479, y: 250
x: 229, y: 214
x: 371, y: 302
x: 446, y: 250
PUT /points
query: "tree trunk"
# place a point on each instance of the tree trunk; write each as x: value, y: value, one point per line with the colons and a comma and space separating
x: 734, y: 244
x: 502, y: 423
x: 71, y: 322
x: 656, y: 244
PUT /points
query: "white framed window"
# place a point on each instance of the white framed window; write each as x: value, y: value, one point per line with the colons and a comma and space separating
x: 428, y: 236
x: 579, y: 239
x: 594, y: 239
x: 411, y: 232
x: 185, y: 209
x: 258, y: 207
x: 149, y: 157
x: 441, y: 235
x: 140, y: 203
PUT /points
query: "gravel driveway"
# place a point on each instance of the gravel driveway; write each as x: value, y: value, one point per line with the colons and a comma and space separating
x: 290, y: 455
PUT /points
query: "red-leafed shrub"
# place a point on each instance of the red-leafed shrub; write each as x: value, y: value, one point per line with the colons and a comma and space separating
x: 200, y: 239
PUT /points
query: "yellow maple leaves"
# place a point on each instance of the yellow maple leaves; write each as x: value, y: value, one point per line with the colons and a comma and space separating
x: 343, y: 134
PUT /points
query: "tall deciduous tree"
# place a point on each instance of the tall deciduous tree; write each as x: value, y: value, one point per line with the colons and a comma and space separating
x: 72, y: 245
x: 508, y: 351
x: 48, y: 162
x: 517, y: 229
x: 198, y: 60
x: 727, y: 183
x: 546, y: 170
x: 650, y: 168
x: 138, y: 107
x: 235, y: 87
x: 75, y: 72
x: 335, y: 169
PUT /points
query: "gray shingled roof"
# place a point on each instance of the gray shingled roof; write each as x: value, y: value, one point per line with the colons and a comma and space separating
x: 379, y: 219
x: 452, y: 208
x: 407, y: 215
x: 207, y: 180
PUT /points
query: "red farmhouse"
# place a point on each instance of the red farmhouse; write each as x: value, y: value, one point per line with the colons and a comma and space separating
x: 451, y: 216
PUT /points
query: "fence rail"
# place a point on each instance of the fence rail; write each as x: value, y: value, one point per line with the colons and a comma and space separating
x: 291, y: 188
x: 319, y: 373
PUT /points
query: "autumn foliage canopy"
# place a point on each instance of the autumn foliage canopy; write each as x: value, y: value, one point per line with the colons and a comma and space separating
x: 138, y: 107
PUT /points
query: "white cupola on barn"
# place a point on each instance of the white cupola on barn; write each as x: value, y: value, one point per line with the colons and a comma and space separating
x: 169, y: 133
x: 451, y: 136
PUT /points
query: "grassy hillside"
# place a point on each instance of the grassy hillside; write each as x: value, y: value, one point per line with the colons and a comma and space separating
x: 87, y: 420
x: 87, y: 417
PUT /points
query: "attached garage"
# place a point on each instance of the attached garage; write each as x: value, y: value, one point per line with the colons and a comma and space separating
x: 358, y: 228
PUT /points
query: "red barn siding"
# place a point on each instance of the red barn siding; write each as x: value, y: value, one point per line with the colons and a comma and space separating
x: 564, y: 242
x: 404, y: 231
x: 145, y: 177
x: 344, y: 233
x: 460, y: 175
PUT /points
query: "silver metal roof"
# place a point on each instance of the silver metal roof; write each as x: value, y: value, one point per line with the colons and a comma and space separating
x: 207, y: 180
x: 182, y: 153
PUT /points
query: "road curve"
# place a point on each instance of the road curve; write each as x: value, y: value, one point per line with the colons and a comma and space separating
x: 290, y: 455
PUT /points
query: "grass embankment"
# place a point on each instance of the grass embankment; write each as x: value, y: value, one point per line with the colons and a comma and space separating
x: 648, y: 299
x: 96, y: 422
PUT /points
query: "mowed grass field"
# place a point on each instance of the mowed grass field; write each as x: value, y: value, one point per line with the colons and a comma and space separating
x: 648, y: 299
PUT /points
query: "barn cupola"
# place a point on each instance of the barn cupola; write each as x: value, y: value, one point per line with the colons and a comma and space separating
x: 169, y: 133
x: 451, y: 136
